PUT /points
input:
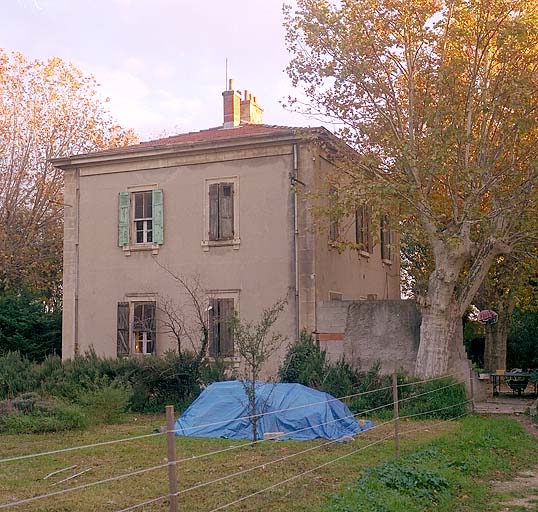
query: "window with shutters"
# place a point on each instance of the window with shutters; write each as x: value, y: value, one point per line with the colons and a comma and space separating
x: 386, y: 240
x: 221, y: 225
x: 136, y: 333
x: 221, y: 311
x: 334, y: 225
x: 363, y: 229
x: 140, y: 224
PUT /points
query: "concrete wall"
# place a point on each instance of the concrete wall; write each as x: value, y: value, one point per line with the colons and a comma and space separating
x: 388, y: 331
x: 368, y: 331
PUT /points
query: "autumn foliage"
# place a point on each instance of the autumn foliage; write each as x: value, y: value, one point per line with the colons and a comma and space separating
x: 48, y: 109
x: 439, y: 99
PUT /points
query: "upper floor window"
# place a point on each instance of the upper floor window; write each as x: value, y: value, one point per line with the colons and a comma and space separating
x: 143, y: 217
x: 221, y: 211
x: 386, y: 240
x: 140, y: 219
x: 334, y: 225
x: 363, y: 228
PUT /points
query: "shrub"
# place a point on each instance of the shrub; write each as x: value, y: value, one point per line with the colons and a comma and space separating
x: 158, y: 381
x: 14, y: 375
x: 106, y: 404
x: 153, y: 382
x: 306, y: 363
x: 27, y: 326
x: 30, y: 413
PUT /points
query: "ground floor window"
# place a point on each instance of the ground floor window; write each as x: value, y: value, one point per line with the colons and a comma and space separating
x: 221, y: 313
x: 136, y: 331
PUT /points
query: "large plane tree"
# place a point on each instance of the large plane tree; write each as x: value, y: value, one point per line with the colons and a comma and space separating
x: 439, y: 98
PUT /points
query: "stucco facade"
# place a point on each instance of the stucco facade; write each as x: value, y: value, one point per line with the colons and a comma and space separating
x: 274, y: 252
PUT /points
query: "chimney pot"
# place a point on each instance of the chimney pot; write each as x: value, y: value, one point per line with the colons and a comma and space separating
x: 232, y: 106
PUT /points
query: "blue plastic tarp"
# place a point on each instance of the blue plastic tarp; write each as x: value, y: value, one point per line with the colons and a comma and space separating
x: 298, y: 411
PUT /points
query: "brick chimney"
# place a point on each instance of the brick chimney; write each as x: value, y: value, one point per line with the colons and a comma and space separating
x: 251, y: 112
x: 232, y: 106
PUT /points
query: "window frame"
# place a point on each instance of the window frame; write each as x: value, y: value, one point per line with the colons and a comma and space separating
x: 144, y: 219
x: 334, y: 221
x: 126, y: 220
x: 386, y: 240
x: 213, y: 295
x: 363, y: 230
x: 152, y: 330
x: 128, y: 333
x: 235, y: 240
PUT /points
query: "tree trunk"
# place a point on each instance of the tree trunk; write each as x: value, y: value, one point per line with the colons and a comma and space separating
x: 440, y: 313
x: 436, y: 332
x: 496, y: 341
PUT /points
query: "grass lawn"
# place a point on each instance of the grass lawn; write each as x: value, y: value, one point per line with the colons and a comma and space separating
x: 23, y: 479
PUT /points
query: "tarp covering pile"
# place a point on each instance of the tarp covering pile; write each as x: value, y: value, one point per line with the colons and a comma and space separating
x: 297, y: 411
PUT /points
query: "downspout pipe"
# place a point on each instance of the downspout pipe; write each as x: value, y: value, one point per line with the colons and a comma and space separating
x: 294, y: 182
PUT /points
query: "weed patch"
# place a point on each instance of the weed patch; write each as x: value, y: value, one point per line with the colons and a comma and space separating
x: 452, y: 473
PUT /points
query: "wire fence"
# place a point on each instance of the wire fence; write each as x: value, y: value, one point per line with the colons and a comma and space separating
x: 172, y: 463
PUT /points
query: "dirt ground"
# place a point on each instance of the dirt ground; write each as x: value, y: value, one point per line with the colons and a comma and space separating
x: 521, y: 493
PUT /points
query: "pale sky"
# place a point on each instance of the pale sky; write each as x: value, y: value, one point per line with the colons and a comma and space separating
x: 162, y: 62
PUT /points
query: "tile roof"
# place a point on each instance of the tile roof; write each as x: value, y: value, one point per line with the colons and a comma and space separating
x: 217, y: 134
x: 220, y: 133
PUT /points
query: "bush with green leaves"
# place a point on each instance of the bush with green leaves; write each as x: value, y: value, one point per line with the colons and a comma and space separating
x: 106, y: 404
x: 522, y: 348
x: 28, y: 326
x: 31, y: 413
x: 150, y: 382
x: 308, y: 364
x: 15, y: 371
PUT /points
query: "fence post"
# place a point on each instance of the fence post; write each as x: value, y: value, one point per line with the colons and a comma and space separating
x: 396, y: 413
x: 471, y: 378
x: 171, y: 456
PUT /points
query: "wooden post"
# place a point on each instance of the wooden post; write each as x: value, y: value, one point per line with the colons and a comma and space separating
x: 471, y: 378
x: 171, y: 456
x: 396, y: 413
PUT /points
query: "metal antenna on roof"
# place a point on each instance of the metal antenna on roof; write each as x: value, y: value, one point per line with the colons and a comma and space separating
x: 226, y: 83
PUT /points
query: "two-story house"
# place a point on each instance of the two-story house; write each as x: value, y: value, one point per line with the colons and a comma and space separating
x: 231, y: 205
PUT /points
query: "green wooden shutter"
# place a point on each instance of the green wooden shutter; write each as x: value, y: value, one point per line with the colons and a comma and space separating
x: 214, y: 211
x: 157, y: 215
x: 226, y: 211
x: 123, y: 329
x: 123, y: 219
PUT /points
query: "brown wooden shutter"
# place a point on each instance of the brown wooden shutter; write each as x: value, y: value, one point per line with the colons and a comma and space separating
x: 368, y: 226
x: 214, y: 211
x: 359, y: 223
x: 226, y: 211
x: 226, y: 334
x: 213, y: 328
x: 123, y: 329
x: 385, y: 238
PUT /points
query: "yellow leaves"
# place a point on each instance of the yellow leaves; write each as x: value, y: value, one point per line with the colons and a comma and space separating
x: 47, y: 109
